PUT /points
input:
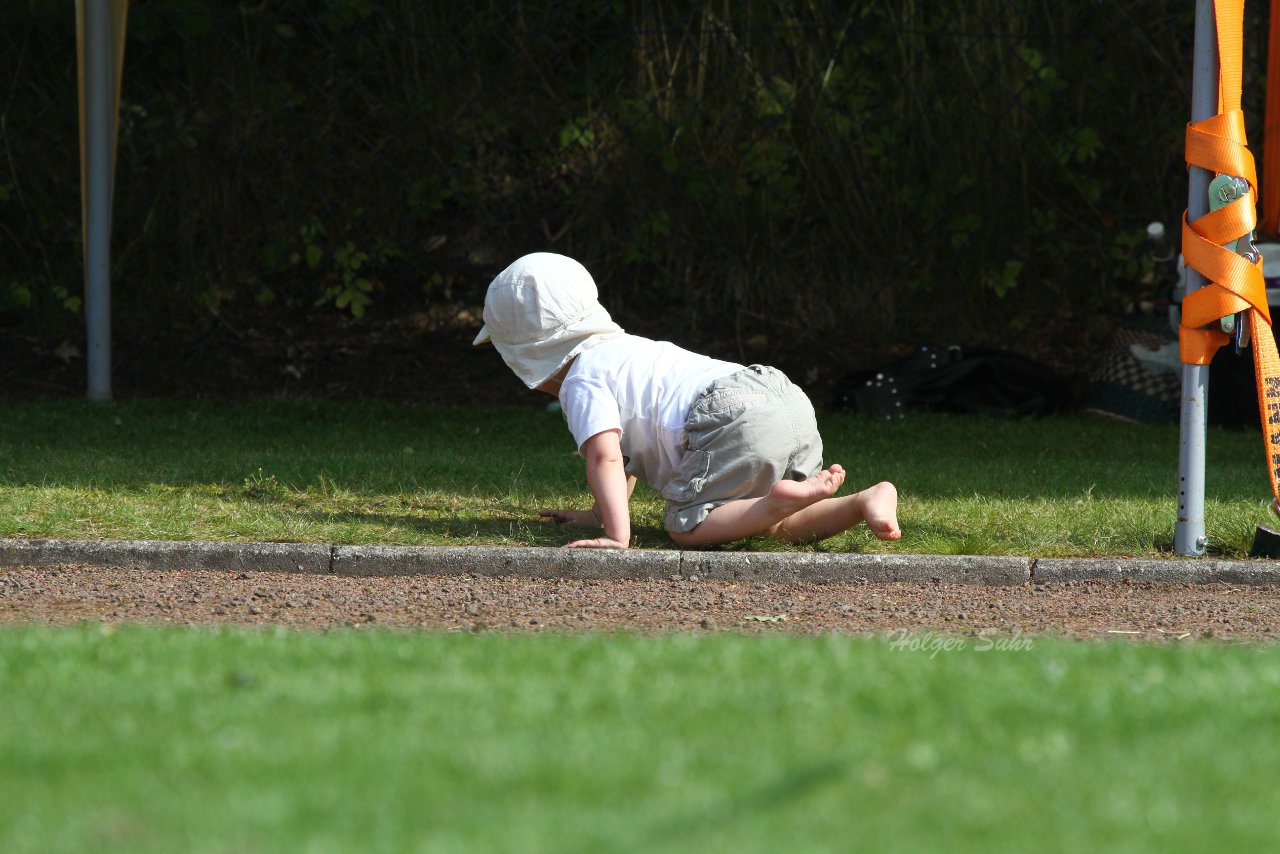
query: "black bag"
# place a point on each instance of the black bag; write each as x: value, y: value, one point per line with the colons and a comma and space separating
x: 946, y: 379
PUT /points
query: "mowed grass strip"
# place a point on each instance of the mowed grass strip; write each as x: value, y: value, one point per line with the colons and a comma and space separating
x: 146, y: 739
x: 363, y: 473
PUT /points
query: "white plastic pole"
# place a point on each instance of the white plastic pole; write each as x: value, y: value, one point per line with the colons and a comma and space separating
x: 99, y: 106
x: 1189, y: 539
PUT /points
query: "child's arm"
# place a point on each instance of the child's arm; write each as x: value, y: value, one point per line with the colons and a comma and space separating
x: 612, y: 490
x: 585, y: 518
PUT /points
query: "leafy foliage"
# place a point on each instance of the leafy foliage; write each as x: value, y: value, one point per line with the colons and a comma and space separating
x: 884, y: 171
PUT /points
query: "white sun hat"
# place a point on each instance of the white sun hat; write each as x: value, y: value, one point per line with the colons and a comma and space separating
x: 541, y: 312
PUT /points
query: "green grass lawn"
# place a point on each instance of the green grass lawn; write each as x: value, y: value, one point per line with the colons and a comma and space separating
x: 379, y: 473
x: 139, y: 739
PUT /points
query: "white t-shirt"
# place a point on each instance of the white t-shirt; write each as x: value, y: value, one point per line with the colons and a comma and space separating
x: 643, y: 388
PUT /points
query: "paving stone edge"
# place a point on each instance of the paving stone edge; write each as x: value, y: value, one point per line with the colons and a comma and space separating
x: 542, y: 562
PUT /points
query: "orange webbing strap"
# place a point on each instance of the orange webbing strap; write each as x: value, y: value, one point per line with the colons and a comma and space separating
x: 1234, y: 284
x: 1266, y: 369
x: 1271, y: 131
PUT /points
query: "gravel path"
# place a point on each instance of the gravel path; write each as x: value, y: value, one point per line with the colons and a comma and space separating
x: 1141, y: 610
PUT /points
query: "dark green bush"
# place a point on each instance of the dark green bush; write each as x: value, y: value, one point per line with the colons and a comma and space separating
x: 884, y: 171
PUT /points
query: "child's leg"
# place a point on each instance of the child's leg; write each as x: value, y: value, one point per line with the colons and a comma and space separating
x: 799, y: 511
x: 877, y: 506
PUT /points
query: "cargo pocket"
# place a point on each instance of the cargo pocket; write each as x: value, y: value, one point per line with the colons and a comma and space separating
x: 722, y: 406
x: 690, y: 478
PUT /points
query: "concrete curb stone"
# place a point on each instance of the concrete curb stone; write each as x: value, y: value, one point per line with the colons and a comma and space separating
x: 663, y: 564
x: 868, y: 568
x: 163, y: 554
x: 532, y: 562
x: 542, y: 562
x: 1173, y: 571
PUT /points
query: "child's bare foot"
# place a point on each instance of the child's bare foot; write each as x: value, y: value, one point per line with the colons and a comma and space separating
x: 788, y: 496
x: 880, y: 510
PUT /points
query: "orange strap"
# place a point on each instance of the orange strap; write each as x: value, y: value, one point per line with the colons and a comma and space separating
x: 1217, y: 144
x: 1233, y: 283
x: 1271, y: 132
x: 1266, y: 370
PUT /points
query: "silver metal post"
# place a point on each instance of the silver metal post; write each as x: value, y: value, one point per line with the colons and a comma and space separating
x: 99, y: 96
x: 1189, y: 535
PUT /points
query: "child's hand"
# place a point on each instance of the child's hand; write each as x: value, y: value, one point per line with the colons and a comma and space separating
x: 586, y: 518
x: 599, y: 543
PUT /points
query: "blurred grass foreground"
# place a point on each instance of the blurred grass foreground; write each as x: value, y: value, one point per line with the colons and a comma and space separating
x: 136, y: 739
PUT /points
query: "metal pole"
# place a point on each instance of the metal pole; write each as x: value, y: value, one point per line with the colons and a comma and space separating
x: 1189, y: 536
x: 99, y: 96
